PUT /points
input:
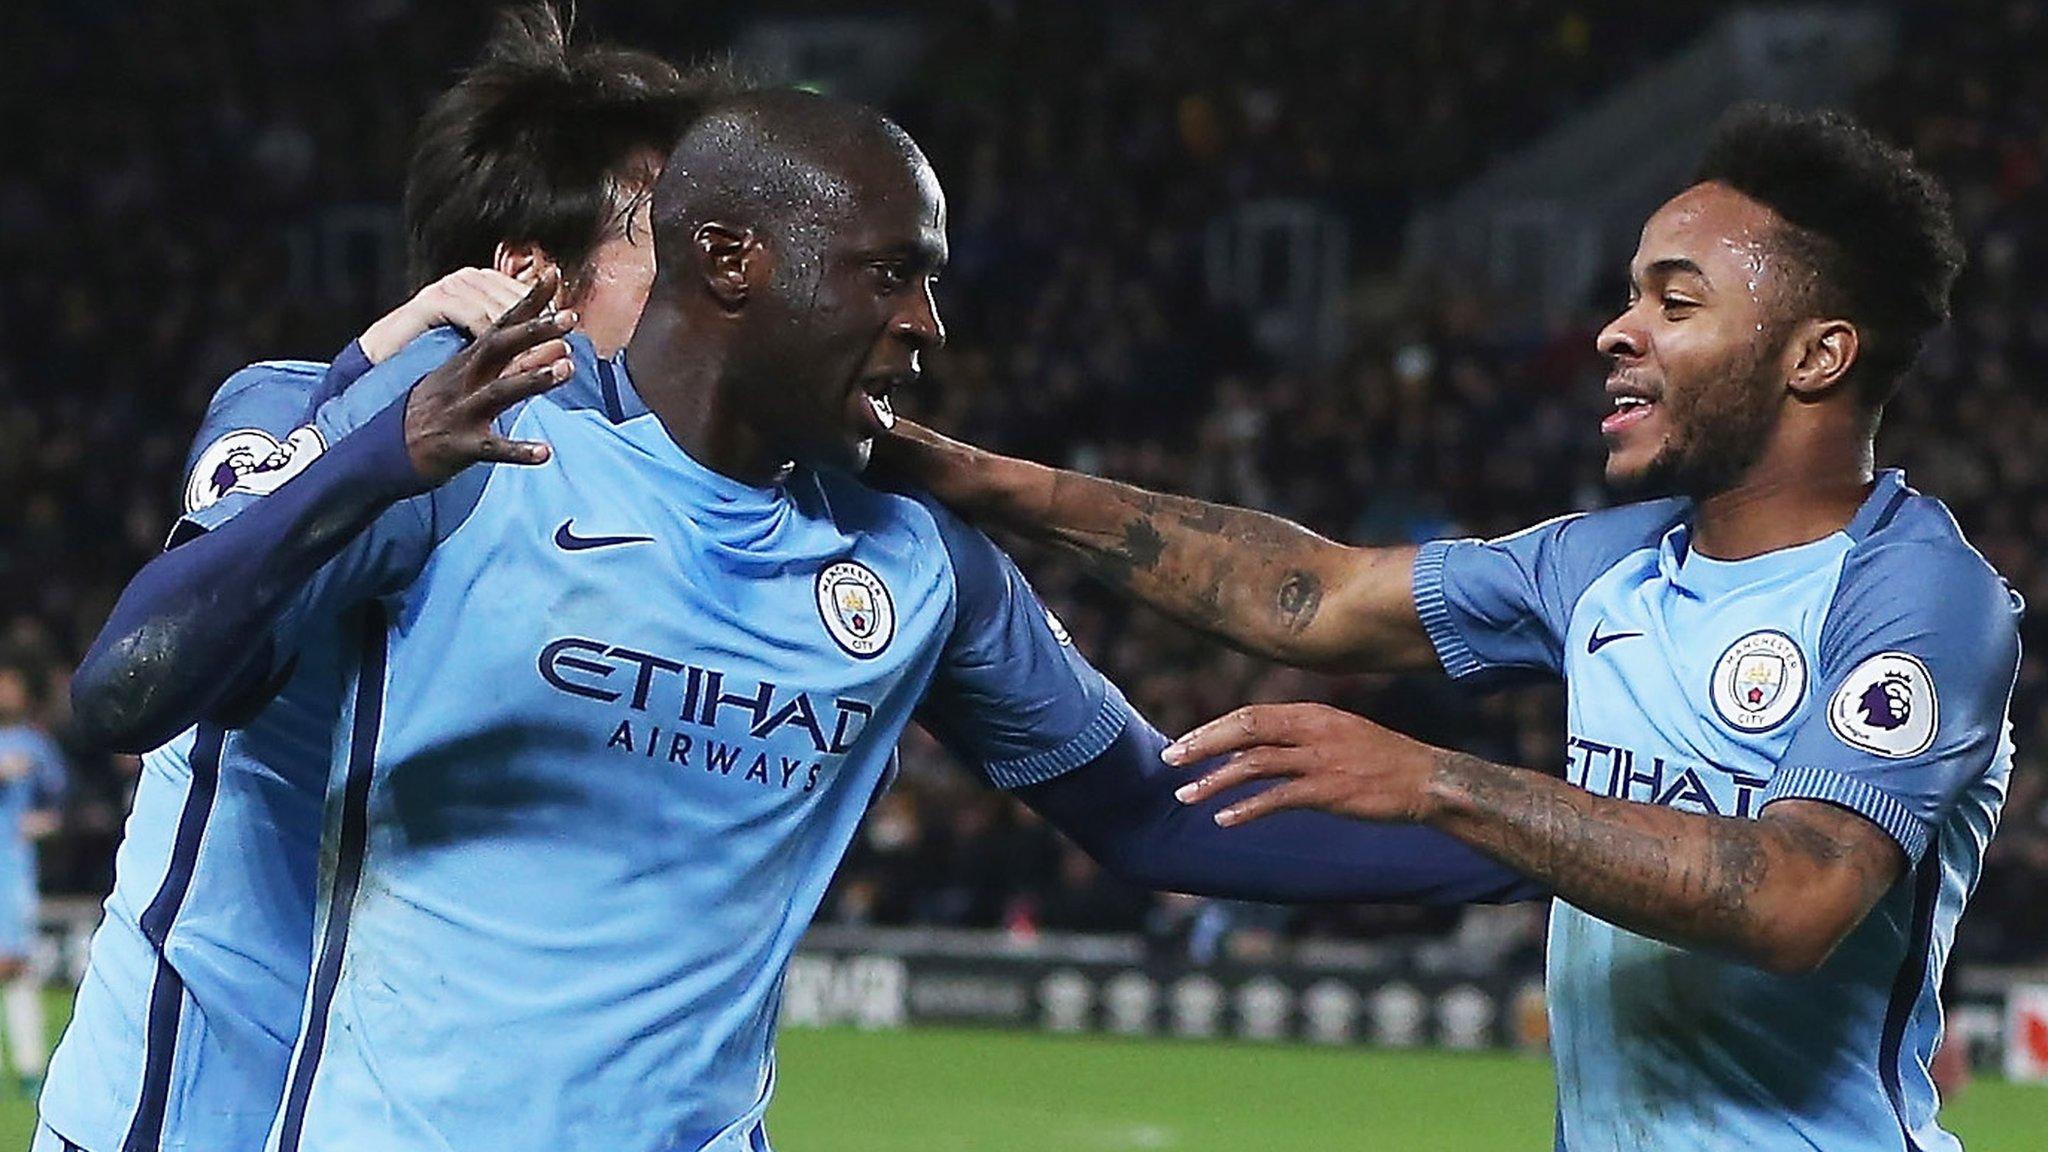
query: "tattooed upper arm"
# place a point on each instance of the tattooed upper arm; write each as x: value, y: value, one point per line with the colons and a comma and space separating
x: 1832, y: 837
x: 1844, y: 865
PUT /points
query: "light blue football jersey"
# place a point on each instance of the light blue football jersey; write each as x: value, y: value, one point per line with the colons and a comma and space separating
x: 611, y: 726
x: 195, y: 982
x: 31, y: 777
x: 1871, y: 669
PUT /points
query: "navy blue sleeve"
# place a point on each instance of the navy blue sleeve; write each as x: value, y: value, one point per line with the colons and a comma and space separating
x: 204, y: 619
x: 1918, y: 658
x: 1015, y: 699
x: 344, y: 371
x: 1011, y: 697
x: 1120, y: 808
x: 1497, y: 609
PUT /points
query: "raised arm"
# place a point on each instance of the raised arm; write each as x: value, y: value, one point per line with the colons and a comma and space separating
x: 1780, y: 891
x: 205, y: 619
x: 1264, y: 584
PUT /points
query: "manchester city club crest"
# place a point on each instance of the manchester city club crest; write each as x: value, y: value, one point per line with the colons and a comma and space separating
x: 1759, y: 681
x: 250, y: 460
x: 855, y: 605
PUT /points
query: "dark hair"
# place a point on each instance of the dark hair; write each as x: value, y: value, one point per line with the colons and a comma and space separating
x: 1876, y: 232
x: 540, y: 142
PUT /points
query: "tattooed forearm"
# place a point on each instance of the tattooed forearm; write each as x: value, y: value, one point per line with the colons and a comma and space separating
x: 1301, y: 593
x: 1253, y: 579
x: 1777, y: 891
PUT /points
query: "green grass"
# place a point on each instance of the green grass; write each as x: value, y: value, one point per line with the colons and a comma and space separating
x: 942, y: 1091
x: 1012, y: 1092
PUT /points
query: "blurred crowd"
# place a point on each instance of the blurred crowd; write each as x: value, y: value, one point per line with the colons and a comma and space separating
x: 189, y: 195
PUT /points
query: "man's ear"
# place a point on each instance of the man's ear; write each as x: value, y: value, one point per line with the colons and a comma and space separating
x: 732, y: 262
x: 526, y: 262
x: 1823, y: 351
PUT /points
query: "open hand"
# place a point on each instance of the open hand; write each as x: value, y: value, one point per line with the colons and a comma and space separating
x: 1323, y: 758
x: 471, y: 299
x: 449, y: 414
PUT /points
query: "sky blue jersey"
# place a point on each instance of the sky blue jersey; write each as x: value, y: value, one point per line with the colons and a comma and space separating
x: 1871, y: 669
x: 32, y: 777
x: 196, y: 977
x: 611, y: 725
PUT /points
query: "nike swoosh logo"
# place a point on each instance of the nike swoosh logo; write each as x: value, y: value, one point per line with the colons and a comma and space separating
x: 568, y: 541
x: 1596, y: 641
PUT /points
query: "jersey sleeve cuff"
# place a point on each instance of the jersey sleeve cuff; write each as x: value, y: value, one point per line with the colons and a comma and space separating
x: 351, y: 363
x: 1427, y: 583
x: 1859, y: 796
x: 1091, y: 741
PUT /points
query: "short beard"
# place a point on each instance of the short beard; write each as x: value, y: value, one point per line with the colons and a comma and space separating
x: 1720, y: 438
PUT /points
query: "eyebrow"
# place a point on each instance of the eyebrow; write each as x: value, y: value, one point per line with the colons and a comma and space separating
x: 1675, y: 265
x: 932, y: 254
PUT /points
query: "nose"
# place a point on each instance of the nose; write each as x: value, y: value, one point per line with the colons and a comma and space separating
x: 1620, y: 339
x: 919, y: 323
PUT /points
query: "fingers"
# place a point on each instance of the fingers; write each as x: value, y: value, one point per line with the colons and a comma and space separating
x: 474, y: 299
x: 501, y: 293
x: 537, y: 357
x: 502, y: 344
x: 1259, y: 763
x: 1278, y: 798
x: 1247, y: 726
x: 507, y: 390
x: 535, y: 301
x: 498, y: 450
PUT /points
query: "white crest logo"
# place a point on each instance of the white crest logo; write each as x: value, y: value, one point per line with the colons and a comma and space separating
x: 856, y: 608
x: 250, y: 460
x: 1886, y: 705
x: 1759, y: 681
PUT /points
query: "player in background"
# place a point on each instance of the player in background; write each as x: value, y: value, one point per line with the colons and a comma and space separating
x: 633, y: 661
x: 33, y: 780
x: 536, y: 163
x: 1787, y: 684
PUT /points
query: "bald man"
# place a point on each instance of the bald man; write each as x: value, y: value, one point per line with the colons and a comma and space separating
x: 639, y: 649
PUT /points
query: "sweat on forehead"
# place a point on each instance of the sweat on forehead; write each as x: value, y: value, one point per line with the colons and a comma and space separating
x: 1729, y: 241
x: 780, y: 160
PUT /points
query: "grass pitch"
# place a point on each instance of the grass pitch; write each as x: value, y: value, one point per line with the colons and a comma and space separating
x: 1026, y: 1092
x: 967, y: 1091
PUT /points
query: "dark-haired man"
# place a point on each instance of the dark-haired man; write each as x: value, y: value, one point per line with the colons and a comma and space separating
x: 537, y: 162
x: 1787, y: 683
x: 625, y: 692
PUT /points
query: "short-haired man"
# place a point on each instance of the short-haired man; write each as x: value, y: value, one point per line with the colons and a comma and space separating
x: 1787, y: 683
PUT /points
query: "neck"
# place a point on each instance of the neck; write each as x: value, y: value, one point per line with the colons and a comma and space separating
x: 1790, y: 497
x: 680, y: 374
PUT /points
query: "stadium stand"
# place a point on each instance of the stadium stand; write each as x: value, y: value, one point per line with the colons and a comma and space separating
x: 188, y: 196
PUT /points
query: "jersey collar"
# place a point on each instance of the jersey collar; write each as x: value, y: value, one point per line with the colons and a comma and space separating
x: 1705, y: 576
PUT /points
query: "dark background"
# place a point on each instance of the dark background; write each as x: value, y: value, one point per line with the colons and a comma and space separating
x: 191, y: 187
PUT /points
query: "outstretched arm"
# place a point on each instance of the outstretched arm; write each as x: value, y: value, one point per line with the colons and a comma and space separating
x: 1264, y: 584
x: 1780, y: 891
x: 1015, y: 700
x: 1120, y: 807
x: 204, y: 619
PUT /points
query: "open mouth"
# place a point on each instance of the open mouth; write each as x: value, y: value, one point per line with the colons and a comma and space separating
x: 1630, y: 409
x: 874, y: 394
